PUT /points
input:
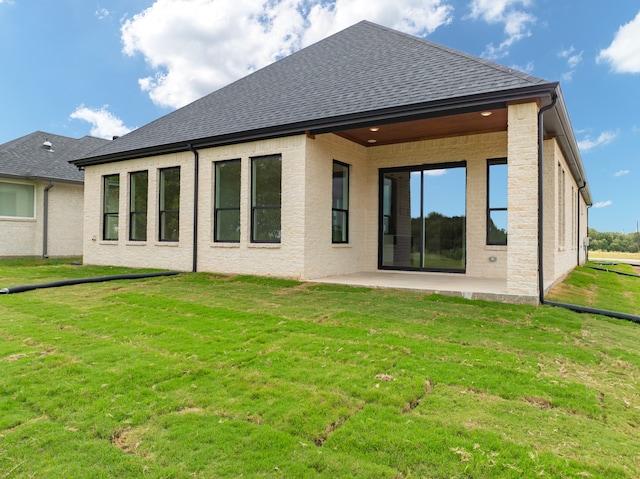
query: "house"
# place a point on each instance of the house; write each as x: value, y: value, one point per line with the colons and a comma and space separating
x: 369, y: 151
x: 41, y: 195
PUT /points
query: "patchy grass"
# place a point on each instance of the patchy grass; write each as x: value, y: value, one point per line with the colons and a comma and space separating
x: 601, y: 288
x: 594, y: 255
x: 200, y: 375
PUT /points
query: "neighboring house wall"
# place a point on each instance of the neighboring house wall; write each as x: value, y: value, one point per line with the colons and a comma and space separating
x: 24, y: 236
x: 18, y: 234
x: 66, y: 205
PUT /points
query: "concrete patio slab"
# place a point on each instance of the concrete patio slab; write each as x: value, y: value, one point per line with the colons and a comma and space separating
x: 449, y: 284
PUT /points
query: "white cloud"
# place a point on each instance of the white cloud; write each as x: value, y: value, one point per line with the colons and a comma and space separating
x: 573, y: 59
x: 603, y: 204
x: 605, y: 138
x: 621, y: 173
x: 105, y: 124
x: 101, y: 13
x: 624, y: 52
x: 439, y: 172
x: 516, y: 22
x: 528, y: 68
x: 198, y: 46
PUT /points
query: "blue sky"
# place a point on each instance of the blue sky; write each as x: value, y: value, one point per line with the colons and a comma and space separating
x: 102, y: 68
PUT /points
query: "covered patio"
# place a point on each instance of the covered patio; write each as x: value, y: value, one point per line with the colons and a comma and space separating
x: 449, y: 284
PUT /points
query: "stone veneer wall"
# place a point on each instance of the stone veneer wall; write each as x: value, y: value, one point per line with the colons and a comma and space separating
x: 24, y: 236
x: 522, y: 261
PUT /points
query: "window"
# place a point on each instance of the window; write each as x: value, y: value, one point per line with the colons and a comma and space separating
x: 340, y: 203
x: 17, y: 200
x: 138, y: 195
x: 497, y: 187
x: 226, y: 221
x: 266, y: 193
x: 561, y: 207
x: 110, y: 207
x: 170, y: 204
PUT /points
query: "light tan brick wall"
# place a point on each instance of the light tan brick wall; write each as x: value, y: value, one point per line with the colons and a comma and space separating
x: 565, y: 253
x: 522, y: 260
x: 285, y: 259
x: 18, y: 236
x: 65, y: 220
x: 475, y: 150
x: 151, y: 253
x: 24, y: 236
x: 322, y: 257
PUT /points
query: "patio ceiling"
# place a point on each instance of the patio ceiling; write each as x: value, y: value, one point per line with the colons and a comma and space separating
x: 429, y: 128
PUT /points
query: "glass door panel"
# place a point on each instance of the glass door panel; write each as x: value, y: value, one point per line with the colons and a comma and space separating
x: 422, y: 220
x: 444, y: 207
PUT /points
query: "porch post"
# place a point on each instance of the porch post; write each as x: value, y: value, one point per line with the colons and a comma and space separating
x: 522, y: 150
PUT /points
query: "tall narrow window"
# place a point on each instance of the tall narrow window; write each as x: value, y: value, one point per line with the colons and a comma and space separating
x: 497, y: 187
x: 266, y: 193
x: 110, y: 207
x: 170, y: 204
x: 226, y: 222
x: 561, y: 207
x: 138, y: 196
x: 340, y: 203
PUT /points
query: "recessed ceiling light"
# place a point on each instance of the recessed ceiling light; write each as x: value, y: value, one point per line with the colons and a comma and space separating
x: 374, y: 128
x: 486, y: 113
x: 372, y: 141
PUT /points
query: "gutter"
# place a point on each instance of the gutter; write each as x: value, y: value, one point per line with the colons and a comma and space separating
x: 45, y: 220
x: 196, y: 168
x: 431, y: 109
x: 572, y: 307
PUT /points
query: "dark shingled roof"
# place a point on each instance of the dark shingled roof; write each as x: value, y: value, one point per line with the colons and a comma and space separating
x: 28, y: 158
x: 354, y: 75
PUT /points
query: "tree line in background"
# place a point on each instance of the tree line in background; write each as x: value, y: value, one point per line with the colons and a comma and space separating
x: 607, y: 241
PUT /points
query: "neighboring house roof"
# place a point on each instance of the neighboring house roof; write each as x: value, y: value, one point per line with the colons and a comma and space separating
x: 30, y: 158
x: 366, y: 73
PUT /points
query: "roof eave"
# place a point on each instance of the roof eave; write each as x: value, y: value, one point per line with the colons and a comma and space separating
x: 449, y: 106
x: 569, y: 146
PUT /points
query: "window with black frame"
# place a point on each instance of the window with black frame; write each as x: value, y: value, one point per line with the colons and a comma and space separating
x: 169, y: 204
x: 497, y: 188
x: 340, y: 203
x: 266, y: 196
x: 226, y: 216
x: 110, y: 207
x: 138, y: 202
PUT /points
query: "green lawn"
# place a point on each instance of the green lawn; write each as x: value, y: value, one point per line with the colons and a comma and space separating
x: 203, y: 376
x: 591, y: 286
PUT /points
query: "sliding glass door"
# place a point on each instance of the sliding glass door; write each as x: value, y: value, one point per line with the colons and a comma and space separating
x: 423, y: 218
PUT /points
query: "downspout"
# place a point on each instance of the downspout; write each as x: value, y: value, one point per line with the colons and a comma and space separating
x: 554, y: 99
x: 572, y: 307
x: 45, y: 220
x: 584, y: 184
x: 196, y: 169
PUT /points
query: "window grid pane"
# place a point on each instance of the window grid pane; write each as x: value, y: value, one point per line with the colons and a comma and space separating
x: 170, y: 204
x: 497, y: 189
x: 111, y: 205
x: 266, y: 194
x: 340, y: 203
x: 138, y: 203
x: 226, y: 225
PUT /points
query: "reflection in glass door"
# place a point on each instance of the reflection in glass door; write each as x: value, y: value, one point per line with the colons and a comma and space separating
x: 423, y: 218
